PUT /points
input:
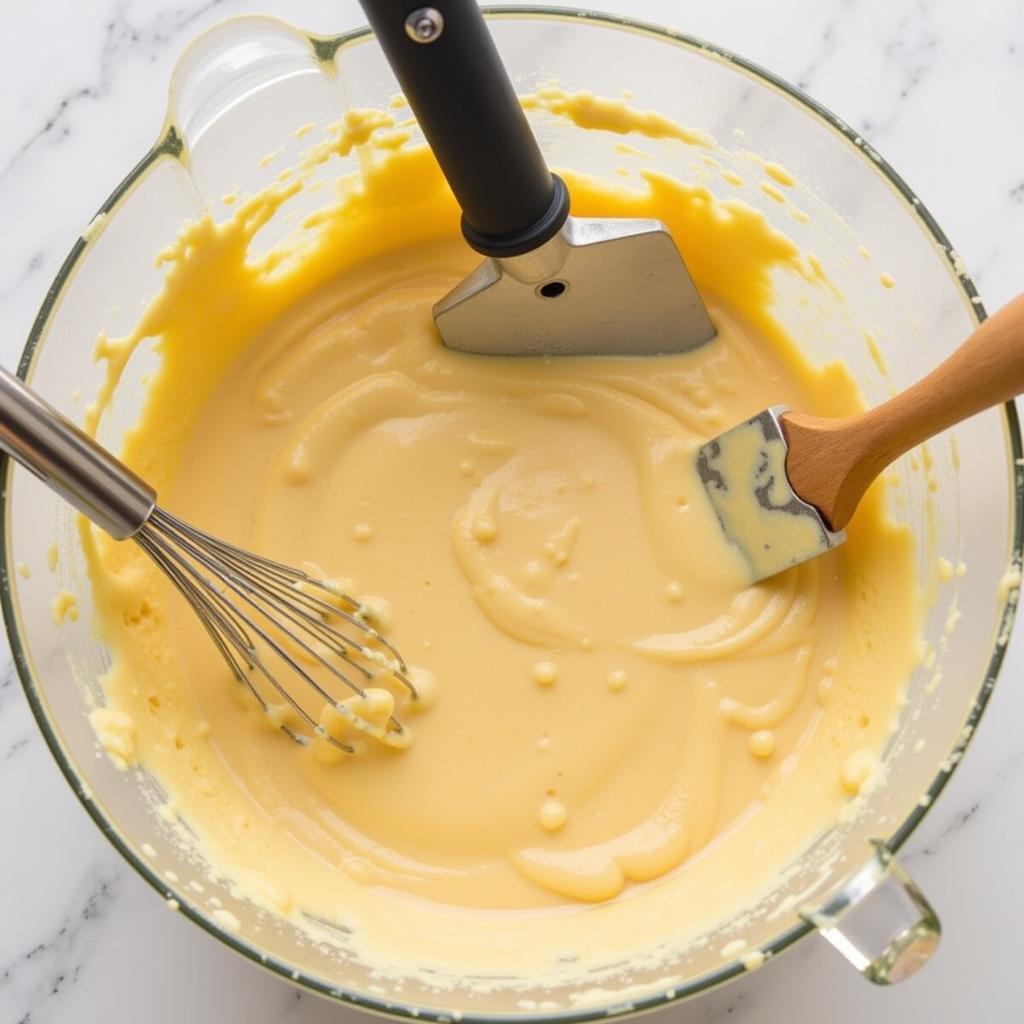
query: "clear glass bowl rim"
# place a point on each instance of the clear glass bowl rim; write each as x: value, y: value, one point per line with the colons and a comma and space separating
x: 170, y: 145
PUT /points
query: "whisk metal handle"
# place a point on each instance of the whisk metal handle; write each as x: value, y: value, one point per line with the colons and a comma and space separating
x: 70, y: 462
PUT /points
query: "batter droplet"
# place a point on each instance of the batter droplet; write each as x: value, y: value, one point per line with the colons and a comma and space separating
x: 762, y: 743
x: 545, y: 673
x: 617, y: 681
x: 485, y: 529
x: 859, y: 771
x: 426, y: 688
x: 553, y: 815
x: 376, y: 612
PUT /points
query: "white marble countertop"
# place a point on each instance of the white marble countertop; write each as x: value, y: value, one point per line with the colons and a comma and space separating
x: 936, y: 88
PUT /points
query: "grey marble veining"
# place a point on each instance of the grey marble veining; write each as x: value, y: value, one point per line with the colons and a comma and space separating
x: 936, y: 87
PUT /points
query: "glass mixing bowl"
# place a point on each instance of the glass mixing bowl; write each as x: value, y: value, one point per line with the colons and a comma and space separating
x: 239, y: 93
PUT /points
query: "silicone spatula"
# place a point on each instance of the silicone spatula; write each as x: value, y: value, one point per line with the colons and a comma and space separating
x: 551, y: 284
x: 784, y: 484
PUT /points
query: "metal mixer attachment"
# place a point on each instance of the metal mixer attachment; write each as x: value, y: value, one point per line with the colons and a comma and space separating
x: 551, y: 284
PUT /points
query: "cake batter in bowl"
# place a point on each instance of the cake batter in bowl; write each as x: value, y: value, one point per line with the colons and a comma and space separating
x: 881, y: 297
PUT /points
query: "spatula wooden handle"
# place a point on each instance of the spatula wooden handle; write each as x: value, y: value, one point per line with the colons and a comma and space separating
x: 832, y: 462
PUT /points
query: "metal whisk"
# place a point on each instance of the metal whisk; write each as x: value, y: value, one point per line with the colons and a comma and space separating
x: 254, y: 609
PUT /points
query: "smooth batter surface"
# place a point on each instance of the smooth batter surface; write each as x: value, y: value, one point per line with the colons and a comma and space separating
x: 606, y: 703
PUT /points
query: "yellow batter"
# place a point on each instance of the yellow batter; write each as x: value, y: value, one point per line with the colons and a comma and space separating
x: 604, y: 702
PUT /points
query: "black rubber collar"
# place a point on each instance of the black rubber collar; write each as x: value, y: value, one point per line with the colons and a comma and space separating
x: 543, y: 229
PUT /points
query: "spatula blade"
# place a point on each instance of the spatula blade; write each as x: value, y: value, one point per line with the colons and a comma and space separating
x: 744, y: 476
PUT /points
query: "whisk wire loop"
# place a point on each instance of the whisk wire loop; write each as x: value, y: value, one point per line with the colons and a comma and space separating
x: 193, y: 561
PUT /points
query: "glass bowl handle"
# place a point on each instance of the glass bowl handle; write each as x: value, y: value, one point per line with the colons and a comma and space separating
x: 880, y: 922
